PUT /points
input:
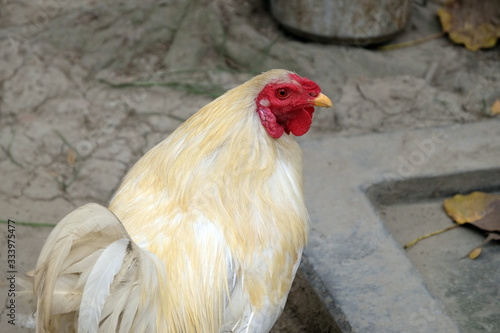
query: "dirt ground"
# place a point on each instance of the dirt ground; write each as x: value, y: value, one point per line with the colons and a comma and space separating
x: 87, y: 87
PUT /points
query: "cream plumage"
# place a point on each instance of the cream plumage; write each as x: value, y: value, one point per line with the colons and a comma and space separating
x: 205, y: 233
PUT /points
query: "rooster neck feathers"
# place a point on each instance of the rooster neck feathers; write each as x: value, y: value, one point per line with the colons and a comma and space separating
x: 220, y: 151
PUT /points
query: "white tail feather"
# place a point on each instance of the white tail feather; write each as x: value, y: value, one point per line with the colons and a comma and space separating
x: 91, y: 277
x: 97, y: 287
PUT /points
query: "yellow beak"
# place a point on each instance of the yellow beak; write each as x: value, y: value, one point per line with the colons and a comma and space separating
x: 323, y: 101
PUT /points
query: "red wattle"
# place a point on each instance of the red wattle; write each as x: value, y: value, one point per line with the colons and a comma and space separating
x: 301, y: 122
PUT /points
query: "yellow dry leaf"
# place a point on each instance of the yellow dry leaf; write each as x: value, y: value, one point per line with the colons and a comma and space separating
x: 495, y: 108
x: 71, y: 157
x: 475, y: 38
x: 469, y: 208
x: 472, y: 23
x: 445, y: 18
x: 480, y: 209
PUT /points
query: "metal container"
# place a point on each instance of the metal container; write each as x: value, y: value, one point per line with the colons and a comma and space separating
x: 351, y: 21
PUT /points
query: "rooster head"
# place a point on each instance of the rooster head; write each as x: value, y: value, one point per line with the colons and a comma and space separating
x: 287, y: 105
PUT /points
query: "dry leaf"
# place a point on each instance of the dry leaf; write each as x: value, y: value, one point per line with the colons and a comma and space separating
x: 495, y: 108
x: 479, y: 209
x: 469, y: 208
x: 482, y: 210
x: 491, y: 219
x: 473, y: 23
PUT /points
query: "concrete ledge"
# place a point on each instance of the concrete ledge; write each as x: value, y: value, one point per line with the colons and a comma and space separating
x: 352, y: 260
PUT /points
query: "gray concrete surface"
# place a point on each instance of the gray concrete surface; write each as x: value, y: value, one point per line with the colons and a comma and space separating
x: 360, y: 265
x: 67, y: 137
x: 467, y: 289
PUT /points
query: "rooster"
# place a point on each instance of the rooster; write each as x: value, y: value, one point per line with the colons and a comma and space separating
x: 206, y: 232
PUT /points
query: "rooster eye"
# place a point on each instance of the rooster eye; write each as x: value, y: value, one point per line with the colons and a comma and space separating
x: 282, y: 93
